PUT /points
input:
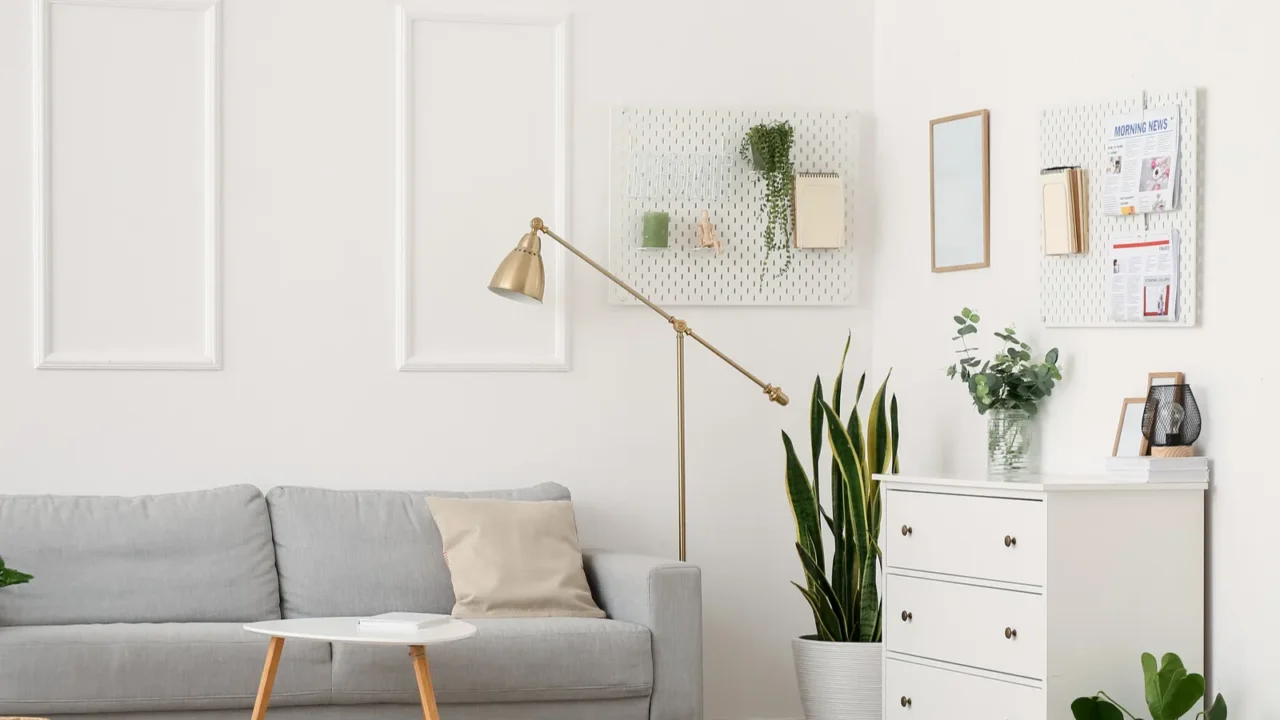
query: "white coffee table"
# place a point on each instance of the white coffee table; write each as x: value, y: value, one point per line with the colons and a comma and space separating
x: 344, y: 630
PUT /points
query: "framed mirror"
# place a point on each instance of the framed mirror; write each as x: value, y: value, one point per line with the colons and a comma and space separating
x: 959, y: 192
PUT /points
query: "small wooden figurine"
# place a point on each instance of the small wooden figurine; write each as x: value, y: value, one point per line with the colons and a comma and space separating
x: 707, y: 234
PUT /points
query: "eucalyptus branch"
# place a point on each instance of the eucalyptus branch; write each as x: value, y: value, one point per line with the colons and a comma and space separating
x: 1009, y: 380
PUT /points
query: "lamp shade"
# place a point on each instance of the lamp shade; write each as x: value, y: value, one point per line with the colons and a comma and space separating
x: 1171, y: 417
x: 520, y: 276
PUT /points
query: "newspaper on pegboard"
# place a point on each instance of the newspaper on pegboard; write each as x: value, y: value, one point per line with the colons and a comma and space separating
x: 1142, y: 285
x: 1079, y: 290
x: 1141, y: 163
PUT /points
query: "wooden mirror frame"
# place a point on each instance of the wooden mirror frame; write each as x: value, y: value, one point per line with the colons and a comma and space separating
x: 986, y: 194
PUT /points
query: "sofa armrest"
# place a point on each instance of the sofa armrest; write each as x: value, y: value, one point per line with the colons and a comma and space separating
x: 666, y: 597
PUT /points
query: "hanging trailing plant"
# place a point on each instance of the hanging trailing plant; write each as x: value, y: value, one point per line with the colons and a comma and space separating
x: 768, y: 147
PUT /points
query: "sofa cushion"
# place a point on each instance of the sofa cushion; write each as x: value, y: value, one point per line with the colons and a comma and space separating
x: 509, y: 558
x: 508, y: 660
x: 185, y: 557
x: 364, y: 552
x: 68, y: 669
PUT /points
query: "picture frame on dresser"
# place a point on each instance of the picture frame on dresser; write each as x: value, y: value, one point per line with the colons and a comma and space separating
x: 1130, y: 442
x: 1164, y: 378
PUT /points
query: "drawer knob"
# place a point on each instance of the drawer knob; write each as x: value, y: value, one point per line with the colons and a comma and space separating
x: 905, y: 701
x: 1010, y: 541
x: 1010, y: 634
x: 906, y: 616
x: 906, y: 530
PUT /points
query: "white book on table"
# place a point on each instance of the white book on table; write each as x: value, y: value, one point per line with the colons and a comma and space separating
x: 401, y: 621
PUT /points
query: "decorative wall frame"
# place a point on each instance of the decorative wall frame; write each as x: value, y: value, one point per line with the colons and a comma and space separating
x: 558, y: 216
x: 685, y: 160
x: 210, y: 357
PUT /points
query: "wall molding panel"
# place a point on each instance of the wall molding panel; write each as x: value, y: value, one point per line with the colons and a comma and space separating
x: 118, y: 357
x: 408, y: 224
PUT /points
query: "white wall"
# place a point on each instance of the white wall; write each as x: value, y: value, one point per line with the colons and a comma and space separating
x: 935, y: 58
x: 308, y: 392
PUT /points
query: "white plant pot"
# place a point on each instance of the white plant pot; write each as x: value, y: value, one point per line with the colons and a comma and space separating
x: 839, y: 681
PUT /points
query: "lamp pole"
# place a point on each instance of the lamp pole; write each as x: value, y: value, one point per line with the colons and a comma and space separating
x: 682, y: 330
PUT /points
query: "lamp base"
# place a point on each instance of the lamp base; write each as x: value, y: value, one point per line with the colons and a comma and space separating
x: 1173, y: 451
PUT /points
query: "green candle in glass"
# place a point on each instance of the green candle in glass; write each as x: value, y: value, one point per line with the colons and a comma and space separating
x: 656, y: 229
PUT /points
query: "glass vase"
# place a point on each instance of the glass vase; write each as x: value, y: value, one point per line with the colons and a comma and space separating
x: 1009, y: 441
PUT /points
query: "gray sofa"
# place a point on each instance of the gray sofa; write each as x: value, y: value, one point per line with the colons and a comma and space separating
x: 137, y: 607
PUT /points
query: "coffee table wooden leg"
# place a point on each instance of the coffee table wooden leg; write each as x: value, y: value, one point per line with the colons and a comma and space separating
x: 268, y: 678
x: 425, y: 691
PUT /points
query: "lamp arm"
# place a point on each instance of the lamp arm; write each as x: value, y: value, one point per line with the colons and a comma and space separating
x: 775, y: 393
x: 538, y: 226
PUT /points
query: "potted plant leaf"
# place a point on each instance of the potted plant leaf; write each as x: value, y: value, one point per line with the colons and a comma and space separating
x: 768, y: 147
x: 839, y: 667
x: 1170, y: 691
x: 9, y: 576
x: 1007, y: 389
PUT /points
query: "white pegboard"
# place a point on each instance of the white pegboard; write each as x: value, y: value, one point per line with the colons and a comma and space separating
x: 684, y: 161
x: 1073, y: 290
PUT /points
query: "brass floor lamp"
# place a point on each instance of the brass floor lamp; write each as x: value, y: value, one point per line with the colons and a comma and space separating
x: 521, y: 277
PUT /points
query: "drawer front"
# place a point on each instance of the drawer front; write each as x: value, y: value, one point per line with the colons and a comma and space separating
x: 917, y: 692
x: 998, y: 630
x: 965, y: 535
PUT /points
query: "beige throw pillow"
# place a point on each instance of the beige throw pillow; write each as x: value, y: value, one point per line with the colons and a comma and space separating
x: 513, y: 558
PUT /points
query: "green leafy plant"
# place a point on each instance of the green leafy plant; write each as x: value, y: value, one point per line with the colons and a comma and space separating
x: 1170, y: 693
x: 768, y: 147
x: 845, y: 602
x: 9, y: 576
x: 1008, y: 381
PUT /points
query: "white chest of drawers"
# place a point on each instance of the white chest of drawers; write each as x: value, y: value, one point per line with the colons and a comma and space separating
x: 1008, y: 600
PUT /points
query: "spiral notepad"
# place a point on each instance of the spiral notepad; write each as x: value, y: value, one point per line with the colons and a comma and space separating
x: 819, y: 209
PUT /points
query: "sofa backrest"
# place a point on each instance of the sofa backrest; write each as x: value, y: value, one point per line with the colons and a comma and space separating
x: 363, y: 552
x: 185, y: 557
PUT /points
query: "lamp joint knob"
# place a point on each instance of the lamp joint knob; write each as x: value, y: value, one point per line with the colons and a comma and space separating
x: 776, y: 395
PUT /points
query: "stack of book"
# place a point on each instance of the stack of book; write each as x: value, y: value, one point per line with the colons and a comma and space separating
x: 400, y: 622
x: 1160, y: 470
x: 1065, y: 211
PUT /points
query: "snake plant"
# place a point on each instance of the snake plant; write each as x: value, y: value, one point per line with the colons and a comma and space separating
x: 845, y: 602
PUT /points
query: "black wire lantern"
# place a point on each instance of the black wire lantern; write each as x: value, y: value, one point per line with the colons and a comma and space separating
x: 1171, y: 417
